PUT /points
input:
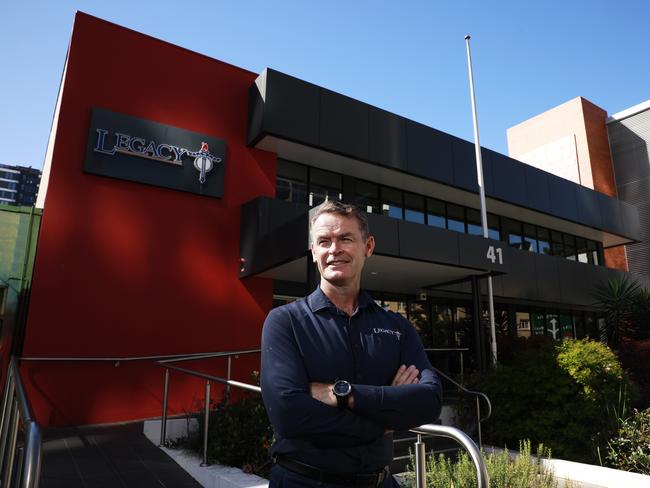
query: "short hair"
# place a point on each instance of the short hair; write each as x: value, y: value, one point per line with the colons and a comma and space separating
x: 345, y: 209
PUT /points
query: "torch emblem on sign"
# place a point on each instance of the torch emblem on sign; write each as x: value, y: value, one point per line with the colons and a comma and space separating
x: 203, y: 161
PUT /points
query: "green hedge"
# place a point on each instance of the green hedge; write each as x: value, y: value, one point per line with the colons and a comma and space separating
x: 565, y: 395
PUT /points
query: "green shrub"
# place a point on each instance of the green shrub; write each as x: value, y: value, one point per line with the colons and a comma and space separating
x: 524, y: 471
x: 629, y: 450
x: 566, y: 396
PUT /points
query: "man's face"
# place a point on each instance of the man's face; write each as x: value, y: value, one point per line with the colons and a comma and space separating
x: 339, y: 249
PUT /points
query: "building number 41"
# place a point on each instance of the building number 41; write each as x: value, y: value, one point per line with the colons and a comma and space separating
x: 494, y: 254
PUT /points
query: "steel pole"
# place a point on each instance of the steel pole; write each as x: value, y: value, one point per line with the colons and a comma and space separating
x: 206, y: 424
x: 420, y: 464
x: 481, y: 187
x: 163, y: 417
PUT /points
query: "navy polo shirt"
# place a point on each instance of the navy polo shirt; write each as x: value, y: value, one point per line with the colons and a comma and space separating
x: 310, y: 340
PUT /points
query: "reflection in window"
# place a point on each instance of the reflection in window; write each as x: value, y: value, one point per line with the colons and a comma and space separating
x: 579, y: 321
x: 493, y: 227
x: 512, y: 232
x: 543, y: 241
x: 414, y: 208
x: 524, y: 326
x: 570, y: 247
x: 530, y: 238
x: 396, y: 306
x: 391, y: 203
x: 366, y: 196
x: 539, y: 323
x: 419, y: 317
x: 436, y: 213
x: 553, y: 326
x: 441, y: 325
x: 291, y: 182
x: 474, y: 222
x: 462, y: 327
x: 324, y: 186
x: 581, y: 250
x: 455, y: 218
x: 566, y: 324
x: 557, y: 244
x: 592, y: 253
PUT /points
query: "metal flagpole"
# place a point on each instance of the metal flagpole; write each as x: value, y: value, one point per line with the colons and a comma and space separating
x: 481, y: 187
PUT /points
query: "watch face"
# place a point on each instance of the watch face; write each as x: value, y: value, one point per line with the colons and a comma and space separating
x: 342, y: 388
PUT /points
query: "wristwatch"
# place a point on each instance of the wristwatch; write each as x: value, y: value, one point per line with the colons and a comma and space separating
x: 342, y: 390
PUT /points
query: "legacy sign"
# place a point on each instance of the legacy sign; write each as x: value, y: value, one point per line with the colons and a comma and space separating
x: 125, y: 147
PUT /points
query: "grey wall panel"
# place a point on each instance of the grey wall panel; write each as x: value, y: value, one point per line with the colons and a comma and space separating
x: 429, y: 152
x: 520, y: 282
x: 563, y: 197
x: 509, y: 180
x: 386, y: 232
x: 630, y: 219
x: 426, y: 243
x: 387, y: 135
x: 473, y: 252
x: 610, y: 213
x: 497, y: 286
x: 576, y: 281
x: 464, y: 164
x: 537, y: 189
x: 588, y: 207
x: 488, y: 178
x: 343, y: 125
x: 291, y: 108
x: 548, y: 278
x: 255, y: 114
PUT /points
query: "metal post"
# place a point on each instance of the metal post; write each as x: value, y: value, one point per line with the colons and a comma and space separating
x: 478, y: 422
x: 206, y: 423
x: 11, y: 448
x: 228, y: 377
x: 6, y: 418
x: 481, y: 187
x: 420, y: 464
x: 163, y: 417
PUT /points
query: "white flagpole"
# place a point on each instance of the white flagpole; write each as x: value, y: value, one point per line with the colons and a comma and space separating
x: 481, y: 187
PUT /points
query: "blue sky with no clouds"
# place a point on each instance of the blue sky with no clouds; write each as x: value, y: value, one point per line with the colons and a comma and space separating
x: 407, y: 57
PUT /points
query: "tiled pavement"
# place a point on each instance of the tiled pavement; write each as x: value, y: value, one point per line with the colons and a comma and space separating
x: 117, y: 456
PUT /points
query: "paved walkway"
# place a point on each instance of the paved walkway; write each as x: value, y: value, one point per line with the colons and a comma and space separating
x: 118, y: 456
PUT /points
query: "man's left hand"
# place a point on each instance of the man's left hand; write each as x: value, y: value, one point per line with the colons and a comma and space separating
x: 323, y: 393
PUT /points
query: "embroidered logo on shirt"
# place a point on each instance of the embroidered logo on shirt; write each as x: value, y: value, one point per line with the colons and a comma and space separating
x: 377, y: 330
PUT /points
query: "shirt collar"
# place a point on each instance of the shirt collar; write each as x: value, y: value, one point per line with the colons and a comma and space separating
x: 318, y: 300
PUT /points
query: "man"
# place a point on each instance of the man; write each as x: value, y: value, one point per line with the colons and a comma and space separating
x: 339, y: 373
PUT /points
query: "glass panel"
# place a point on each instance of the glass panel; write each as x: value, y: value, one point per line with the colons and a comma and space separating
x: 543, y: 241
x: 570, y: 247
x: 581, y: 250
x: 553, y: 325
x: 539, y: 323
x: 557, y: 243
x: 590, y: 326
x: 395, y: 306
x: 366, y: 196
x: 391, y: 203
x: 523, y: 324
x: 530, y: 237
x: 493, y: 227
x: 291, y: 182
x: 463, y: 327
x: 474, y: 222
x: 579, y: 321
x: 436, y: 213
x: 323, y: 186
x: 512, y: 232
x: 592, y: 252
x: 419, y: 317
x: 441, y: 325
x: 414, y: 208
x: 566, y: 323
x: 455, y: 218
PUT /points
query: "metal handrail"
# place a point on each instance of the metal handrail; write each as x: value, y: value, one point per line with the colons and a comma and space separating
x: 16, y: 407
x: 483, y: 480
x: 478, y: 395
x: 420, y: 455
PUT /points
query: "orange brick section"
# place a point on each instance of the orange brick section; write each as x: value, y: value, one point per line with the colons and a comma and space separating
x: 616, y: 258
x: 600, y: 156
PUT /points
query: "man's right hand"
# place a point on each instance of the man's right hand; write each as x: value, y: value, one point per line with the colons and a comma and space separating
x: 406, y: 376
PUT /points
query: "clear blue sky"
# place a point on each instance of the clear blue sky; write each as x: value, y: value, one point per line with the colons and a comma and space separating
x: 407, y: 57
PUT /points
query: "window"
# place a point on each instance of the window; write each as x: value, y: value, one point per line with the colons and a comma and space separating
x: 474, y: 225
x: 557, y: 244
x: 419, y: 317
x: 539, y: 323
x: 436, y: 213
x: 391, y: 203
x: 553, y: 325
x: 366, y: 196
x: 324, y: 186
x: 291, y: 182
x: 493, y: 227
x: 566, y: 324
x: 414, y: 208
x: 570, y: 247
x: 530, y: 238
x: 543, y: 241
x: 592, y: 253
x: 455, y: 218
x: 581, y: 250
x: 512, y: 232
x: 523, y: 324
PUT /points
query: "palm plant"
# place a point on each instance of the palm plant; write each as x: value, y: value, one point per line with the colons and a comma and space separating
x: 616, y: 301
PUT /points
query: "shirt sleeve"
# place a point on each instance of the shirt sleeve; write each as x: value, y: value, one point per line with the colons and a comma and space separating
x: 404, y: 406
x: 290, y: 407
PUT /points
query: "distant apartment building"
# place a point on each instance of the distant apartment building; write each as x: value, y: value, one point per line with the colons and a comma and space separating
x: 18, y: 185
x: 578, y: 141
